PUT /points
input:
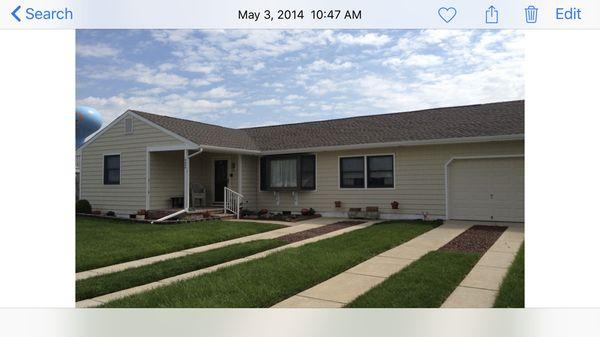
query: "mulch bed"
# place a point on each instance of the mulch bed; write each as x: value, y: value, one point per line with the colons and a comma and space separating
x: 311, y: 233
x: 477, y: 239
x: 281, y: 217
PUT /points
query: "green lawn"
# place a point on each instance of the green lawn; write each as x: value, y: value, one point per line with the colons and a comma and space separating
x: 266, y: 281
x: 512, y: 290
x: 105, y: 284
x: 425, y: 283
x: 103, y: 242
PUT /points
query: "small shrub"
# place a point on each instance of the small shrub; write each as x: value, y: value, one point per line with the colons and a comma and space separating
x: 206, y: 214
x: 83, y: 206
x: 311, y: 211
x: 110, y: 213
x: 247, y: 212
x: 263, y: 211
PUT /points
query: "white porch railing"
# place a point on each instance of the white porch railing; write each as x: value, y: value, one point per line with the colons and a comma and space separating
x: 232, y: 202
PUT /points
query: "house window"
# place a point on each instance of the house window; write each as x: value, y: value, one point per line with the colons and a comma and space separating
x: 367, y: 171
x: 283, y: 173
x: 352, y: 172
x: 112, y: 169
x: 128, y: 126
x: 380, y: 171
x: 288, y: 172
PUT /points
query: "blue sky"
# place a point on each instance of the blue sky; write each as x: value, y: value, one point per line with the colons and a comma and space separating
x: 239, y: 78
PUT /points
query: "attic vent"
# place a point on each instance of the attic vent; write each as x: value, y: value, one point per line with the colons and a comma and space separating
x: 128, y: 126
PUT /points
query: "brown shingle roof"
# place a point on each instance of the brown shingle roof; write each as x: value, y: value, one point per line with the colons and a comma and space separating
x: 202, y: 133
x: 492, y: 119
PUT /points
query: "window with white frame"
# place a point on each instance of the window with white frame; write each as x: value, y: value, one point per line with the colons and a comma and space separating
x: 352, y: 172
x: 112, y: 169
x: 376, y: 171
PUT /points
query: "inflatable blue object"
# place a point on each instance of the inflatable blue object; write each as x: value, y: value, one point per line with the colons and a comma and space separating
x: 87, y: 121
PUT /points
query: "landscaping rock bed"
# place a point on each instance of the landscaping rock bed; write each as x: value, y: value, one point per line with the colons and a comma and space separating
x: 311, y: 233
x: 477, y: 239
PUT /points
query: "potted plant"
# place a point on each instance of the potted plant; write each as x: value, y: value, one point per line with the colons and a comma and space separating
x: 395, y: 204
x: 141, y: 214
x: 338, y: 204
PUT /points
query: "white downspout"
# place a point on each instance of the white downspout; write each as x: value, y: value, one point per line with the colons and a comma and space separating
x: 186, y: 180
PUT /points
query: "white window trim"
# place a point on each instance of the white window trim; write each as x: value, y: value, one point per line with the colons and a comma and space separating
x: 447, y: 164
x: 125, y: 125
x: 303, y: 191
x: 120, y: 168
x: 366, y: 172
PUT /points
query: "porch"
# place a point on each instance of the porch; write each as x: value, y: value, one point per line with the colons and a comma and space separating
x: 198, y: 181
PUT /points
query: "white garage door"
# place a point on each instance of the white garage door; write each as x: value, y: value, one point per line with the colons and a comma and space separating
x: 486, y: 189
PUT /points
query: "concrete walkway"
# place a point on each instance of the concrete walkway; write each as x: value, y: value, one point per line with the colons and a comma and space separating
x: 480, y: 287
x: 97, y: 301
x: 345, y: 287
x: 292, y: 228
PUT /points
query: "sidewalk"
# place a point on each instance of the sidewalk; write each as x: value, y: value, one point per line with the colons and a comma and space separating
x: 345, y: 287
x: 480, y: 287
x: 296, y: 227
x: 97, y: 301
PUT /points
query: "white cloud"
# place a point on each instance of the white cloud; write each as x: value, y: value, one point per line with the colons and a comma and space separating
x: 201, y: 82
x: 370, y: 39
x: 267, y: 102
x: 199, y: 68
x: 293, y: 97
x: 414, y: 60
x: 323, y: 87
x: 96, y: 50
x: 220, y: 92
x: 319, y: 65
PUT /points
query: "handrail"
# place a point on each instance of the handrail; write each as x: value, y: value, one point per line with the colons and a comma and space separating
x: 232, y: 201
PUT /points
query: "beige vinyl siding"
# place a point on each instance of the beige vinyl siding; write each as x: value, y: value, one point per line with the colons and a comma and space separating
x: 130, y: 194
x: 250, y: 181
x: 166, y: 178
x: 419, y: 180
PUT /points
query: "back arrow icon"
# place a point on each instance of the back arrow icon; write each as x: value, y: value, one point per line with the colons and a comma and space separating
x: 14, y: 13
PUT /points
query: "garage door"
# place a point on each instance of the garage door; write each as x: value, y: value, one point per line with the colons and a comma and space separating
x: 486, y: 189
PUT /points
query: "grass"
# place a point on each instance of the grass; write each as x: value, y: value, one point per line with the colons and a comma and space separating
x: 103, y: 242
x: 425, y: 283
x: 266, y: 281
x: 105, y: 284
x: 512, y: 290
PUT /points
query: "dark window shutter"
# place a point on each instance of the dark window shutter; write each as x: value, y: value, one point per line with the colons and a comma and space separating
x: 264, y: 184
x: 308, y: 174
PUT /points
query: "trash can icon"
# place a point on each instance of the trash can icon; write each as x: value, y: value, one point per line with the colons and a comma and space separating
x: 531, y: 14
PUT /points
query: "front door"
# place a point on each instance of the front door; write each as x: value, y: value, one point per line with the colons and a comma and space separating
x: 220, y: 179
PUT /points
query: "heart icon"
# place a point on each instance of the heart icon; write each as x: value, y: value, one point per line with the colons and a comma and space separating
x: 447, y: 13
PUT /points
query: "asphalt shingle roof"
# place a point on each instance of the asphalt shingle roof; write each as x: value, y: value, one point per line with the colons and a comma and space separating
x: 492, y: 119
